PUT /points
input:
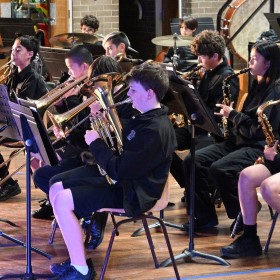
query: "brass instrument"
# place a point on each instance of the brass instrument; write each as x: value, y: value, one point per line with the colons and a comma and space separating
x: 56, y: 94
x: 189, y: 74
x: 6, y: 71
x: 227, y: 97
x: 59, y: 120
x: 266, y: 127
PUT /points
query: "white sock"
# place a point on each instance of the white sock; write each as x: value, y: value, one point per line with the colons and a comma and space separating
x: 83, y: 269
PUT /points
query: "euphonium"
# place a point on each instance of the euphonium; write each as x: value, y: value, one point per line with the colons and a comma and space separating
x: 110, y: 120
x: 266, y: 127
x: 6, y: 71
x: 227, y: 97
x: 56, y: 94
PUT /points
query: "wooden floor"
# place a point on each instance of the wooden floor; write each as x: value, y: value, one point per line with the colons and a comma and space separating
x: 131, y: 258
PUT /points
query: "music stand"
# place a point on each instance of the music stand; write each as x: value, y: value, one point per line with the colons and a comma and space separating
x: 35, y: 137
x: 201, y: 116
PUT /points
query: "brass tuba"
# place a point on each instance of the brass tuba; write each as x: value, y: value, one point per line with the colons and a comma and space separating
x: 266, y: 127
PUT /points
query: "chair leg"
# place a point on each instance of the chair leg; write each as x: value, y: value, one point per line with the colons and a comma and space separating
x: 167, y: 240
x: 270, y: 232
x: 238, y: 220
x: 157, y: 225
x: 150, y: 240
x: 54, y: 227
x: 114, y: 231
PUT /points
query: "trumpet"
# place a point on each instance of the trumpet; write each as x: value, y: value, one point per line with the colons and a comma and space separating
x: 55, y: 95
x: 6, y: 71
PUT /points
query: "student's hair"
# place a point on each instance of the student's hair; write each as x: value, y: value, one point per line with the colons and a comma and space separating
x: 80, y: 55
x: 150, y: 76
x: 91, y: 21
x: 271, y: 52
x: 208, y: 42
x: 190, y: 22
x: 30, y: 43
x: 102, y: 65
x: 117, y: 37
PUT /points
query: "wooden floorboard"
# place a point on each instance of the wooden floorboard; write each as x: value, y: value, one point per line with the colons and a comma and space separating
x: 131, y: 258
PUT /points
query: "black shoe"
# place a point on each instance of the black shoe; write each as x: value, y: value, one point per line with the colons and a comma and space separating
x: 97, y: 229
x: 45, y: 212
x: 61, y: 268
x: 9, y: 190
x: 243, y: 247
x: 198, y: 225
x: 72, y: 274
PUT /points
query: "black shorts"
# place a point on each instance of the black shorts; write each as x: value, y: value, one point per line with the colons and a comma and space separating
x: 90, y: 190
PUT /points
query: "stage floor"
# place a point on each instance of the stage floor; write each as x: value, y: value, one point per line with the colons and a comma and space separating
x: 131, y: 257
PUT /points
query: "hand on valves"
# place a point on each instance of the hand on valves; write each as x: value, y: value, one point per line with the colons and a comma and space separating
x: 91, y: 135
x: 225, y: 110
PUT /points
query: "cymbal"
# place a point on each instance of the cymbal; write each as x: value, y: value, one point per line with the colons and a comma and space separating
x: 68, y: 40
x: 169, y: 40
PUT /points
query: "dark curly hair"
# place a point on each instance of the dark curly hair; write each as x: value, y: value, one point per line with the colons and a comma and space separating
x: 208, y: 42
x: 90, y: 21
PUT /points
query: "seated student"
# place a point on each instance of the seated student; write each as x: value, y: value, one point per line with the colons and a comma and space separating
x: 266, y: 176
x: 210, y: 47
x: 78, y: 61
x: 148, y: 137
x: 42, y: 176
x: 89, y: 24
x: 23, y: 82
x: 187, y: 25
x: 219, y: 164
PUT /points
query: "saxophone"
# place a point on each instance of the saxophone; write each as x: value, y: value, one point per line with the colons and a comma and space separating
x: 266, y: 127
x: 227, y: 97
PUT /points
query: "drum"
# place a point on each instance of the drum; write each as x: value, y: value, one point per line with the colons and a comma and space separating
x: 235, y: 16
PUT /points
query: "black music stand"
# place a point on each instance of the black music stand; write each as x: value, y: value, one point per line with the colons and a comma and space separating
x: 35, y: 137
x: 199, y: 115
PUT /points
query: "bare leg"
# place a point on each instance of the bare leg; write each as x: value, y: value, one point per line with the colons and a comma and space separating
x: 250, y: 179
x: 63, y: 206
x: 270, y: 190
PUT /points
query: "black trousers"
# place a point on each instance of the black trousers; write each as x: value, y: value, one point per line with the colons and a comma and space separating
x: 217, y: 167
x: 3, y: 169
x: 183, y: 136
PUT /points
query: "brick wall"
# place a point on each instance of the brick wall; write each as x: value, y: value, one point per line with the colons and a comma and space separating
x: 107, y: 12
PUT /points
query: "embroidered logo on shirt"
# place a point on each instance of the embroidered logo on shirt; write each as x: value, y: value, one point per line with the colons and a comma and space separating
x: 131, y: 135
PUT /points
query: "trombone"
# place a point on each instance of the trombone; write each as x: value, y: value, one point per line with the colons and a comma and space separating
x: 55, y: 95
x: 59, y: 120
